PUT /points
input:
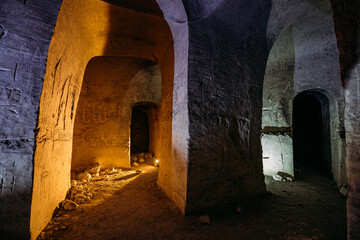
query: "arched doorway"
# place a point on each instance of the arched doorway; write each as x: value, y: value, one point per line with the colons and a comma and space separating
x: 311, y: 132
x: 112, y: 86
x: 139, y: 131
x: 144, y: 129
x: 291, y: 70
x: 146, y: 37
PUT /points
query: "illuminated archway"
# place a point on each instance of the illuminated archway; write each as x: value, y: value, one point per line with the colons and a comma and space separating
x: 84, y: 30
x: 111, y: 86
x: 145, y: 128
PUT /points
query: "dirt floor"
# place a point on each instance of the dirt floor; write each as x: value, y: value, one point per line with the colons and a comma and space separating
x: 129, y: 205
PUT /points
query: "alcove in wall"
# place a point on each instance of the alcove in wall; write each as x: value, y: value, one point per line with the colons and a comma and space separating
x: 298, y: 42
x: 111, y: 87
x: 137, y: 32
x: 144, y: 127
x: 139, y: 131
x: 311, y: 132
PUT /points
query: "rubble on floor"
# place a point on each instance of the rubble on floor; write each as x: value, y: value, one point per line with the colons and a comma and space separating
x: 88, y: 188
x: 140, y: 210
x: 140, y: 158
x: 69, y: 205
x: 344, y: 190
x: 205, y: 219
x: 283, y: 177
x: 135, y: 164
x: 82, y: 190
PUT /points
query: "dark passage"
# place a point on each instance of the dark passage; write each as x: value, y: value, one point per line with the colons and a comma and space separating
x: 311, y: 129
x: 139, y: 131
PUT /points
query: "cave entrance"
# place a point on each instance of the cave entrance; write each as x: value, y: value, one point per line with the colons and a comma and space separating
x: 139, y: 131
x: 311, y: 132
x: 144, y: 133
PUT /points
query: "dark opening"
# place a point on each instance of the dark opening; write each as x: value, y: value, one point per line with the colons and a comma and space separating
x: 311, y: 132
x: 139, y: 131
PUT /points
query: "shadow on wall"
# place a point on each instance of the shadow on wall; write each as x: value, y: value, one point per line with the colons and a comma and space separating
x: 14, y: 214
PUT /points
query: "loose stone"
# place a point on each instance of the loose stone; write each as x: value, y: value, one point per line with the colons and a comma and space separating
x: 69, y: 205
x: 205, y: 219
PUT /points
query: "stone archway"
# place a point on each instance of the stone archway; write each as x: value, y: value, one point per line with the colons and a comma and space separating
x: 311, y: 132
x: 244, y: 52
x: 75, y: 42
x: 139, y: 131
x: 144, y: 128
x: 111, y: 86
x: 292, y: 68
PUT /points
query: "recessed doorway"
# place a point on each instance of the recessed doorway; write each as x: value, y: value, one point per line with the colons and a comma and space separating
x: 311, y: 130
x: 139, y: 131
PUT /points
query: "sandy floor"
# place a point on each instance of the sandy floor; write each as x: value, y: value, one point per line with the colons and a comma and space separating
x: 129, y: 205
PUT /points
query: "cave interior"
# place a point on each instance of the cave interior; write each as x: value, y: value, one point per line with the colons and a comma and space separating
x: 222, y: 93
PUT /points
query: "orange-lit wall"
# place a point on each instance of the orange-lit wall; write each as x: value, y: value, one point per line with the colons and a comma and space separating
x: 86, y: 29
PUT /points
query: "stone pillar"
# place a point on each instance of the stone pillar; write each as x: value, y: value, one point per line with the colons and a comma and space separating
x: 227, y: 58
x: 25, y: 33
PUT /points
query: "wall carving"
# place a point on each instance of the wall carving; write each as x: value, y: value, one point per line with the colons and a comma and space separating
x: 98, y: 140
x: 99, y: 114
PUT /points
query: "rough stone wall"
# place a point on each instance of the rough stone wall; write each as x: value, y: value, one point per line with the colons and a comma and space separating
x: 284, y: 13
x: 86, y: 29
x: 227, y: 57
x: 278, y: 90
x: 173, y: 176
x: 317, y: 68
x: 314, y: 66
x: 111, y: 86
x: 70, y: 50
x: 347, y: 27
x: 352, y: 127
x: 316, y: 55
x: 25, y: 33
x: 278, y: 93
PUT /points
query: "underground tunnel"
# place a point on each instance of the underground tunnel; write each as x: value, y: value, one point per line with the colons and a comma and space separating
x: 143, y: 127
x: 139, y: 131
x: 311, y: 132
x: 109, y: 103
x: 223, y: 95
